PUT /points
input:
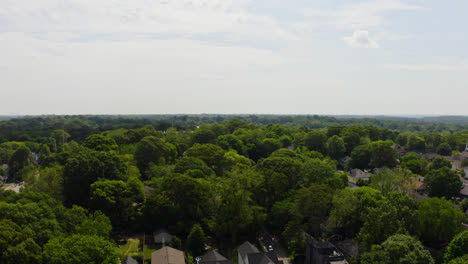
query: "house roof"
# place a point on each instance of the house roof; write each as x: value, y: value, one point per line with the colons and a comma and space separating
x: 167, y: 255
x: 259, y: 258
x: 247, y: 248
x: 360, y: 174
x: 128, y: 260
x: 464, y: 191
x: 213, y: 257
x: 464, y: 154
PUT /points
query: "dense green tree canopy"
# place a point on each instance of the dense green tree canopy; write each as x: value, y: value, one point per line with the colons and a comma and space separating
x: 78, y: 249
x: 100, y: 143
x: 443, y: 182
x: 398, y: 249
x: 438, y: 220
x: 458, y: 247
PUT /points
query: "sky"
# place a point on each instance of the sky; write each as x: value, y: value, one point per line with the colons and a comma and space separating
x: 351, y: 57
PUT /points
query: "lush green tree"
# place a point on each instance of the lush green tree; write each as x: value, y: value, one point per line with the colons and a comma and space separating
x: 61, y: 137
x: 444, y: 149
x: 344, y: 215
x: 44, y: 151
x: 398, y: 249
x: 49, y: 180
x: 334, y: 130
x: 136, y: 188
x: 438, y: 221
x: 316, y: 140
x: 100, y: 143
x: 269, y: 145
x: 78, y: 249
x: 360, y: 157
x: 311, y: 206
x: 458, y: 247
x: 20, y: 159
x: 412, y: 162
x: 190, y: 163
x: 443, y: 182
x: 380, y: 223
x: 85, y: 168
x: 211, y: 154
x: 440, y: 162
x: 386, y: 180
x: 188, y: 198
x: 234, y: 160
x: 153, y: 149
x: 203, y: 135
x: 97, y: 224
x: 230, y: 141
x: 17, y: 245
x: 196, y: 240
x: 279, y: 215
x: 36, y: 211
x: 382, y: 154
x: 335, y: 147
x: 113, y: 198
x: 460, y: 260
x: 416, y: 143
x: 316, y: 171
x: 351, y: 140
x: 236, y: 212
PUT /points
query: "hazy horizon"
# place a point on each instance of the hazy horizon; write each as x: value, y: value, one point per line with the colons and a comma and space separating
x: 369, y: 57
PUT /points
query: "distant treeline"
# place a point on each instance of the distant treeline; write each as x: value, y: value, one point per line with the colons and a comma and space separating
x: 80, y: 126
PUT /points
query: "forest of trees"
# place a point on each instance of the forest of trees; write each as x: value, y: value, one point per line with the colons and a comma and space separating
x: 89, y: 179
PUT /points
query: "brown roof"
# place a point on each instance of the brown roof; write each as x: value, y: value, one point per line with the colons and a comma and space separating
x: 167, y: 255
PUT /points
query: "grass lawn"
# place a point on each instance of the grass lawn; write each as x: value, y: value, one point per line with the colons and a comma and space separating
x: 131, y: 245
x: 148, y: 250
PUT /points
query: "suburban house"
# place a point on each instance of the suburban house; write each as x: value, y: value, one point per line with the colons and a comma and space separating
x: 213, y: 257
x: 322, y: 252
x: 356, y: 174
x: 249, y: 254
x: 128, y: 260
x: 167, y: 255
x: 464, y: 191
x: 162, y: 236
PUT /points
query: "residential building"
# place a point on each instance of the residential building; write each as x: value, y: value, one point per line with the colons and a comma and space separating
x: 167, y: 255
x: 213, y: 257
x: 322, y: 252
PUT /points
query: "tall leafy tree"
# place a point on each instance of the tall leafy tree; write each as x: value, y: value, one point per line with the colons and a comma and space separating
x: 100, y: 143
x: 155, y: 150
x: 316, y: 140
x: 438, y: 221
x: 196, y: 240
x: 114, y: 199
x: 458, y: 247
x: 78, y: 249
x: 443, y: 182
x: 85, y: 168
x: 335, y: 147
x: 398, y: 249
x: 18, y: 161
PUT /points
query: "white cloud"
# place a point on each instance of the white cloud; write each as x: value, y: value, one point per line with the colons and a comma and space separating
x: 362, y: 15
x: 361, y: 39
x: 428, y: 67
x: 176, y: 17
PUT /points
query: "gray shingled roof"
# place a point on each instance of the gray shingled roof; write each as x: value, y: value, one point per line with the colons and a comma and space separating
x: 128, y: 260
x: 247, y: 248
x: 213, y: 257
